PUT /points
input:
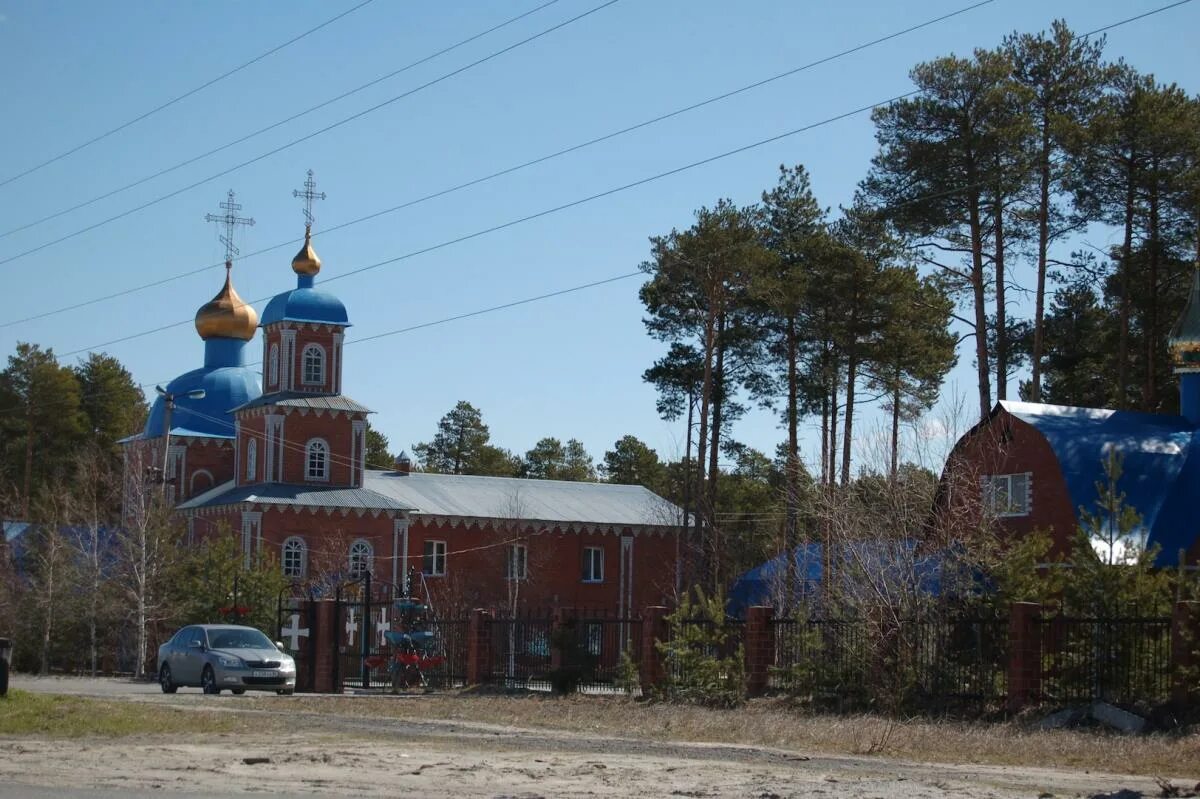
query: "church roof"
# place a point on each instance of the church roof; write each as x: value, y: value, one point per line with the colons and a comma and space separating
x: 225, y: 387
x: 1160, y: 464
x: 556, y: 501
x: 286, y: 494
x: 308, y: 400
x: 305, y: 304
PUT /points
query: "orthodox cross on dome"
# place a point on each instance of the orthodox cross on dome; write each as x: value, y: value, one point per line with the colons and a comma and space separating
x: 308, y: 194
x: 230, y: 220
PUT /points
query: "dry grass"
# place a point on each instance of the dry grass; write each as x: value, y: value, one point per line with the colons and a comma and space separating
x: 30, y: 715
x: 773, y: 723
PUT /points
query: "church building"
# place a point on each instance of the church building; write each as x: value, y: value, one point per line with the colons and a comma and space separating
x: 1033, y: 466
x: 284, y: 468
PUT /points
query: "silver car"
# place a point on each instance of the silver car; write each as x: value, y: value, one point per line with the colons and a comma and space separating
x: 224, y: 656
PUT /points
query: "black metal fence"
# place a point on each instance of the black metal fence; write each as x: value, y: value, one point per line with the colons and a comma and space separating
x: 521, y: 650
x: 609, y: 647
x: 1122, y: 660
x: 450, y: 645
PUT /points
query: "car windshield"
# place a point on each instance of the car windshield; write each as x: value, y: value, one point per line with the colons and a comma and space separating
x: 238, y: 639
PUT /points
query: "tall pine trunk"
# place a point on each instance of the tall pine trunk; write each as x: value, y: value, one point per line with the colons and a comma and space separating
x: 1149, y: 388
x: 978, y: 289
x: 714, y: 450
x: 1039, y: 313
x: 1001, y: 311
x: 895, y: 466
x: 848, y: 427
x: 705, y: 516
x: 1126, y: 266
x: 791, y: 537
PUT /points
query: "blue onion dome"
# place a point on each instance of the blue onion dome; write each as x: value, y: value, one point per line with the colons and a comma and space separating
x: 1184, y: 341
x: 305, y: 303
x: 225, y: 388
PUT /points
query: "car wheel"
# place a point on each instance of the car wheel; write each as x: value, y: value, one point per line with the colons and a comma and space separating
x: 164, y: 680
x: 237, y: 691
x: 286, y: 691
x: 208, y: 681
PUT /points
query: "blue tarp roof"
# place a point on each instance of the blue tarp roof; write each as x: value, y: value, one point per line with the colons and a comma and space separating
x: 765, y: 584
x: 1160, y: 465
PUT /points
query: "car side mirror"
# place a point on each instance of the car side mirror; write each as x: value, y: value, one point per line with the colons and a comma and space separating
x: 196, y: 645
x: 279, y: 646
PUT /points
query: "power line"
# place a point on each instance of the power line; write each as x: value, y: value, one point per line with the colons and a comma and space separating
x: 537, y: 215
x: 280, y: 123
x: 515, y: 168
x: 574, y: 203
x: 183, y: 96
x: 306, y: 137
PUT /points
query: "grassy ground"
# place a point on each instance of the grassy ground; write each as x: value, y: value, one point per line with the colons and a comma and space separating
x: 25, y: 714
x: 773, y: 723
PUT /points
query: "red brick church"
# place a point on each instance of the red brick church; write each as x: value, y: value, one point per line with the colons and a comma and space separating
x: 284, y: 468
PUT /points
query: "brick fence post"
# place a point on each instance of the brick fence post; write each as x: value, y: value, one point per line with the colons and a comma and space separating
x: 479, y: 647
x: 654, y: 629
x: 759, y: 649
x: 325, y: 641
x: 1024, y: 655
x: 1185, y: 651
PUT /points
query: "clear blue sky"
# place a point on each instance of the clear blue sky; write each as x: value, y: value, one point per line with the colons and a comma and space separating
x: 567, y: 367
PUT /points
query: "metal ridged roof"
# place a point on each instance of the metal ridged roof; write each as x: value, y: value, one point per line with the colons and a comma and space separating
x: 287, y: 494
x: 301, y: 399
x: 559, y: 501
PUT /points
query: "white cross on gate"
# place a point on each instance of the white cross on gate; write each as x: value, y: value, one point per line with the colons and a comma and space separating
x: 351, y: 626
x: 294, y: 631
x: 382, y: 626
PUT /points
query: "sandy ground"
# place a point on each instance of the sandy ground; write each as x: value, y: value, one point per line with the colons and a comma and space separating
x: 347, y: 756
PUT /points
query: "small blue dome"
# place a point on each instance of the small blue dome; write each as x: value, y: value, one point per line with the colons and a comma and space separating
x: 225, y: 388
x: 305, y: 304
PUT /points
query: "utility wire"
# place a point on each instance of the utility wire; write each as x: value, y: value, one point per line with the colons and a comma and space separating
x: 511, y: 169
x: 183, y: 96
x: 280, y: 123
x: 542, y: 159
x: 546, y: 212
x: 306, y: 137
x: 537, y: 215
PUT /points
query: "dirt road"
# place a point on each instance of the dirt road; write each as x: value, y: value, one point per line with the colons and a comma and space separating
x: 348, y: 755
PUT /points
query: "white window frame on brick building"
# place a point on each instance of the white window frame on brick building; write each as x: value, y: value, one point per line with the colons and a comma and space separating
x: 294, y: 558
x: 316, y: 454
x: 517, y: 564
x: 312, y: 365
x: 1008, y: 495
x: 593, y: 564
x: 433, y: 560
x: 362, y: 557
x: 251, y: 458
x: 274, y: 369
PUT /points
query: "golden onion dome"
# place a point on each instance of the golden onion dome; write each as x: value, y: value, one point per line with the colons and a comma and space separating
x: 226, y: 315
x: 306, y: 261
x: 1184, y: 341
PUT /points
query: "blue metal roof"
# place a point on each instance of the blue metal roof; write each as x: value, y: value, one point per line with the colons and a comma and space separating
x: 227, y: 383
x: 305, y: 304
x: 1160, y: 465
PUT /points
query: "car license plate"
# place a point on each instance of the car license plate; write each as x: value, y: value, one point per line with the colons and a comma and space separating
x: 266, y: 673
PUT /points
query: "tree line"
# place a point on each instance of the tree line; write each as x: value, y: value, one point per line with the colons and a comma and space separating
x: 997, y: 163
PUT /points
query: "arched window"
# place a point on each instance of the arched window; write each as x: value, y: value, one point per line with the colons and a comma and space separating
x: 361, y: 555
x: 202, y: 480
x: 314, y: 365
x: 295, y: 558
x: 317, y: 460
x: 274, y: 373
x: 251, y: 458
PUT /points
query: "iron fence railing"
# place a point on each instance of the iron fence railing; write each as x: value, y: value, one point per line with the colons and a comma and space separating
x: 1118, y: 660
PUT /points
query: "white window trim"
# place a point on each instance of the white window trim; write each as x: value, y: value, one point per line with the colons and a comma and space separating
x: 590, y: 562
x: 251, y: 459
x: 369, y: 558
x: 274, y: 367
x: 513, y: 560
x: 295, y: 539
x: 989, y: 482
x: 434, y: 572
x: 308, y: 475
x: 317, y: 348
